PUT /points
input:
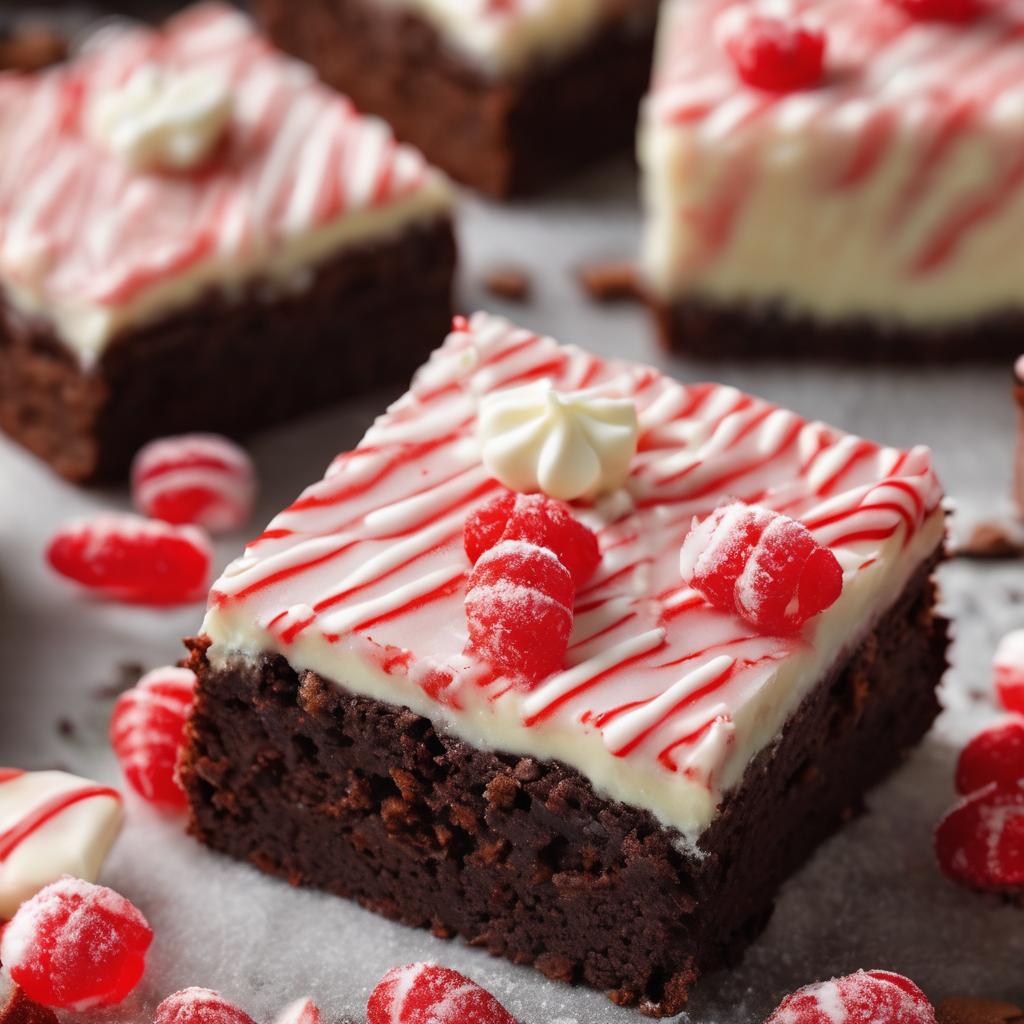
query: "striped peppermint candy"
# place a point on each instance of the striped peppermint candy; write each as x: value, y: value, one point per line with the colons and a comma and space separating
x: 880, y: 997
x: 429, y: 994
x: 147, y: 731
x: 302, y: 1011
x: 203, y: 479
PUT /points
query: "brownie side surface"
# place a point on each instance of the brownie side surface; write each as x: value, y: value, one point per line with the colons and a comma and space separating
x: 367, y: 800
x: 368, y: 317
x: 710, y: 330
x: 504, y: 136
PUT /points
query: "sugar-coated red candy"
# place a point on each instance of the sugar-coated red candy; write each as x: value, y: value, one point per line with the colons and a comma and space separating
x: 953, y: 11
x: 429, y: 994
x: 302, y: 1011
x: 995, y: 755
x: 776, y: 54
x: 203, y: 479
x: 147, y: 729
x: 199, y: 1006
x: 519, y: 609
x: 878, y: 997
x: 539, y: 520
x: 128, y: 558
x: 76, y: 946
x: 760, y: 565
x: 980, y: 842
x: 1008, y: 667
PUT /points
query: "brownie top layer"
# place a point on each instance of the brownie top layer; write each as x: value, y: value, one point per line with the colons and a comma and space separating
x: 890, y: 185
x: 161, y: 163
x: 662, y: 700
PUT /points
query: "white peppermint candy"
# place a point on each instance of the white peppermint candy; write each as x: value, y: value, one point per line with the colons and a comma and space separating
x: 574, y: 445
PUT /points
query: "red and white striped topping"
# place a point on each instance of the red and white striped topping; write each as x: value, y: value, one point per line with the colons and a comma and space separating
x: 364, y: 578
x: 80, y: 229
x: 51, y: 824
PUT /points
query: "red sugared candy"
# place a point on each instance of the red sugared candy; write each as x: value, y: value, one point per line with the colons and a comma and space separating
x: 776, y: 54
x: 980, y: 842
x: 428, y: 994
x: 880, y: 997
x: 147, y: 730
x: 519, y: 609
x: 539, y: 520
x: 76, y: 946
x: 302, y: 1011
x: 199, y: 1006
x: 956, y: 12
x: 994, y: 755
x: 760, y: 565
x: 1008, y: 666
x: 132, y: 559
x: 203, y: 479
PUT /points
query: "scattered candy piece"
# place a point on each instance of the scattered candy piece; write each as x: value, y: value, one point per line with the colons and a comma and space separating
x: 538, y: 520
x: 955, y: 11
x: 17, y: 1008
x: 147, y: 729
x: 134, y: 559
x: 54, y: 824
x: 76, y: 946
x: 203, y: 479
x: 510, y: 283
x: 1008, y: 665
x: 776, y: 54
x: 302, y: 1011
x: 199, y: 1006
x: 428, y: 994
x: 519, y: 609
x: 878, y: 997
x: 994, y: 755
x: 980, y: 842
x: 971, y: 1010
x: 760, y: 565
x: 612, y: 282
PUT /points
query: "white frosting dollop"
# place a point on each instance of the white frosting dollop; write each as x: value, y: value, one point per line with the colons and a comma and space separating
x: 161, y: 120
x: 567, y: 445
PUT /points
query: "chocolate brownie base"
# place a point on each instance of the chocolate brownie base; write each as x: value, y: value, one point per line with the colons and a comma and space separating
x: 369, y: 317
x: 706, y: 330
x: 504, y: 136
x: 367, y: 800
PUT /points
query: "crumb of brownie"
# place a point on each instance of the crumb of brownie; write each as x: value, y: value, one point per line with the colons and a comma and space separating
x: 611, y: 282
x: 511, y: 283
x: 991, y: 539
x: 31, y: 48
x: 972, y: 1010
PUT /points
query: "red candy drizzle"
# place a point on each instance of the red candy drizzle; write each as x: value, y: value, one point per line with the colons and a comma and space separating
x: 539, y: 520
x: 956, y: 12
x: 994, y: 755
x: 133, y: 559
x: 76, y: 946
x: 203, y: 479
x: 428, y: 994
x: 880, y: 997
x: 762, y: 566
x: 519, y: 609
x: 147, y: 730
x: 199, y: 1006
x: 980, y: 842
x: 776, y: 55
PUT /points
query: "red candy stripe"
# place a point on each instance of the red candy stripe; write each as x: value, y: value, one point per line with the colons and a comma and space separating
x: 199, y: 1006
x: 428, y: 994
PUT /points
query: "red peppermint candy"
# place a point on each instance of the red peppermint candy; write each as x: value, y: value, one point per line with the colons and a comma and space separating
x: 302, y: 1011
x: 203, y: 479
x: 1008, y: 666
x: 539, y: 520
x: 994, y: 755
x: 147, y: 730
x: 128, y: 558
x: 199, y: 1006
x: 776, y: 54
x: 980, y: 842
x: 428, y: 994
x: 880, y: 997
x: 519, y: 609
x: 762, y: 566
x: 76, y: 946
x: 955, y: 12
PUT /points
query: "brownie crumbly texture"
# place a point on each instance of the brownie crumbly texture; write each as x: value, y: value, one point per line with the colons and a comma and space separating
x: 505, y: 136
x: 229, y: 365
x: 366, y: 800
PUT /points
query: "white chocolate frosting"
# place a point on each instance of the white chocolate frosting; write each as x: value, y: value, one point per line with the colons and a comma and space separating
x: 663, y: 701
x: 568, y: 446
x: 51, y: 824
x: 894, y: 190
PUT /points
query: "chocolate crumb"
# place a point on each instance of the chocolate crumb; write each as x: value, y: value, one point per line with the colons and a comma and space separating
x: 970, y: 1010
x: 31, y: 49
x: 509, y: 283
x: 66, y: 728
x: 991, y: 540
x: 612, y: 282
